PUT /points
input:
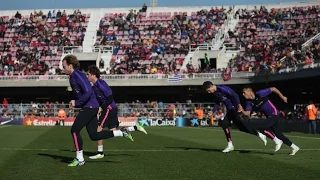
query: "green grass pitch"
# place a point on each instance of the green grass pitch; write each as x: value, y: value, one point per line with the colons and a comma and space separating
x: 42, y: 153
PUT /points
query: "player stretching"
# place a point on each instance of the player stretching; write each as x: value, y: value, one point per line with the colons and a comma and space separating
x: 109, y: 115
x: 231, y: 100
x: 86, y: 100
x: 258, y: 101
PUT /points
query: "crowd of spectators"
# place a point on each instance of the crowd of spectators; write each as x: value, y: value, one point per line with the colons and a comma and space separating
x: 157, y: 43
x: 133, y: 109
x: 32, y: 44
x: 136, y: 108
x: 272, y: 39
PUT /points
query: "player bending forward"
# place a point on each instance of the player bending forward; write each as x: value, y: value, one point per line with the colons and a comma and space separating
x: 109, y: 115
x: 86, y: 100
x: 230, y: 99
x: 258, y: 101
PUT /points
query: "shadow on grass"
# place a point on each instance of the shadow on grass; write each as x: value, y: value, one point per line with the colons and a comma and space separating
x: 219, y: 150
x: 67, y: 159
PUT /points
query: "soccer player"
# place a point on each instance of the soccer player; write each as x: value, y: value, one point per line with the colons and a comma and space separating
x: 86, y: 100
x: 109, y: 115
x: 230, y: 99
x: 259, y: 101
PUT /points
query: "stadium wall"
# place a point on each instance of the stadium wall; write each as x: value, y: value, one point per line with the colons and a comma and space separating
x: 163, y: 80
x: 287, y: 125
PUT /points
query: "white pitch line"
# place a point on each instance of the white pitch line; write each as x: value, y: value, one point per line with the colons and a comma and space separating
x: 146, y: 150
x: 237, y: 131
x: 304, y: 137
x: 5, y: 126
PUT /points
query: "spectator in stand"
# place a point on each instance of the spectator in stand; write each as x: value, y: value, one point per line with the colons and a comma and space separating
x: 29, y: 45
x: 5, y: 103
x: 142, y: 44
x: 267, y: 37
x: 311, y: 112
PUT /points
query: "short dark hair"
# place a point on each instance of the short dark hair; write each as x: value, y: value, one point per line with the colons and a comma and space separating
x: 207, y: 85
x: 247, y: 87
x: 73, y: 60
x: 310, y: 102
x: 94, y: 70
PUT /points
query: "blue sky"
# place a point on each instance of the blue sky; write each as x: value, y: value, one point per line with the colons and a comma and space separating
x: 72, y: 4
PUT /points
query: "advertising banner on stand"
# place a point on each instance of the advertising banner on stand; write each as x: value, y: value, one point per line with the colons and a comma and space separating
x: 157, y: 121
x: 127, y: 121
x: 10, y: 121
x: 42, y: 121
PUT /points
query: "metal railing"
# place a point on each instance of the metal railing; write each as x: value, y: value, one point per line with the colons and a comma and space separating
x: 299, y: 67
x: 72, y: 49
x: 126, y: 77
x: 103, y: 49
x: 124, y: 109
x: 307, y: 43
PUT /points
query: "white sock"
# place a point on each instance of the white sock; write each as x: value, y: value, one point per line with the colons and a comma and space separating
x: 275, y: 139
x: 230, y: 143
x: 131, y: 129
x: 100, y: 148
x: 260, y: 135
x: 80, y: 155
x: 294, y: 146
x: 117, y: 133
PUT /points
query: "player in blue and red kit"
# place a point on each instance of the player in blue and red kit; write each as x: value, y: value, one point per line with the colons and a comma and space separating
x: 230, y: 99
x: 86, y: 100
x: 258, y: 101
x: 109, y: 114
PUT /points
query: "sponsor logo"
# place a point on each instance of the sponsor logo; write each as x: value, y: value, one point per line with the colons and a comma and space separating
x: 127, y: 121
x: 144, y: 122
x: 46, y: 121
x: 204, y: 123
x: 194, y: 122
x: 6, y: 122
x: 10, y: 121
x: 157, y: 122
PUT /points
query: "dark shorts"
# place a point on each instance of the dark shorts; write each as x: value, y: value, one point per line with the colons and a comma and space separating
x: 109, y: 118
x: 232, y: 115
x: 271, y: 122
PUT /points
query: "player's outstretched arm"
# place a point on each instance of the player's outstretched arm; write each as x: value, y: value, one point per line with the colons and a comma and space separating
x: 215, y: 107
x: 275, y: 90
x: 244, y: 112
x: 247, y: 110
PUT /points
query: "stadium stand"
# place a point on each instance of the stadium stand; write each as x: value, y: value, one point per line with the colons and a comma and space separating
x: 159, y: 42
x: 275, y: 38
x: 162, y: 40
x: 32, y: 44
x: 133, y: 109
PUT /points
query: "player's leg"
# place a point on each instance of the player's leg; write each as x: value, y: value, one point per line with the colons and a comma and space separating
x: 310, y: 126
x: 314, y: 125
x: 241, y: 125
x: 269, y: 133
x: 137, y: 127
x: 81, y: 120
x: 276, y: 130
x: 109, y: 119
x: 244, y: 126
x: 101, y: 124
x: 104, y: 134
x: 225, y: 124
